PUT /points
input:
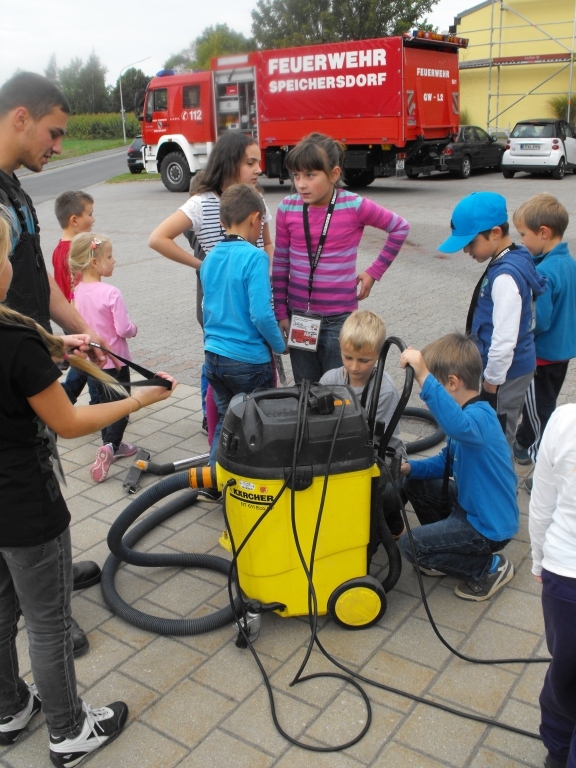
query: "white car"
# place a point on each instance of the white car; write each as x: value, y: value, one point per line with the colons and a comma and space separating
x: 540, y: 146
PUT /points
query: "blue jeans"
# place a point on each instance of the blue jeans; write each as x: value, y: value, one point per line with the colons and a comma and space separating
x: 445, y: 540
x: 37, y: 582
x: 232, y: 377
x: 114, y: 433
x: 75, y: 382
x: 313, y: 365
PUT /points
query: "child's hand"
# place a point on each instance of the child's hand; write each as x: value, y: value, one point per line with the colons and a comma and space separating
x: 78, y: 343
x: 414, y: 358
x: 366, y: 282
x: 405, y: 469
x: 284, y: 326
x: 150, y: 395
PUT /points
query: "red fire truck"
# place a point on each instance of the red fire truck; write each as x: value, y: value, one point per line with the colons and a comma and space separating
x: 392, y: 101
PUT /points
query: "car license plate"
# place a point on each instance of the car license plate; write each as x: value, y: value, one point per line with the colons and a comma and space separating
x: 529, y: 146
x: 400, y: 164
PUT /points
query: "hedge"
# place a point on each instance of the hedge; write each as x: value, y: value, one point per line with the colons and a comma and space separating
x: 102, y: 126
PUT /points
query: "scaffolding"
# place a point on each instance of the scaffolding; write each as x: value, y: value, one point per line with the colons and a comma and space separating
x: 495, y: 61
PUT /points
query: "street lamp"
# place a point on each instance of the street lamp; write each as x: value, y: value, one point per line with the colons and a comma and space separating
x: 121, y: 99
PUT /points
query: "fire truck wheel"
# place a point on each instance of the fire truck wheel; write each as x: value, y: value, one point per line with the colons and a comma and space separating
x: 410, y: 174
x: 358, y: 179
x: 175, y: 172
x: 465, y: 167
x: 358, y: 603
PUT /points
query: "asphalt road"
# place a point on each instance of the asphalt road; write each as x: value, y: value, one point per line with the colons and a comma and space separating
x: 77, y: 173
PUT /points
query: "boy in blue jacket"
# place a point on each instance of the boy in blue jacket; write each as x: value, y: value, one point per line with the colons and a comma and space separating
x: 464, y: 521
x: 541, y: 223
x: 501, y: 315
x: 239, y: 322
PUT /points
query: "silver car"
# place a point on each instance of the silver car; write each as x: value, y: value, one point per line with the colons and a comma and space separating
x: 540, y: 146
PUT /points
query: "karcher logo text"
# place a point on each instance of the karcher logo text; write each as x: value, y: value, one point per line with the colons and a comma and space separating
x: 258, y: 498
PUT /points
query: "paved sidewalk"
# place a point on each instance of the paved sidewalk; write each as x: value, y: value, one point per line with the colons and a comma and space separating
x: 199, y: 701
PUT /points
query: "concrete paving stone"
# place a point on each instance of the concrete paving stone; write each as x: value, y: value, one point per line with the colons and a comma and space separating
x: 233, y: 671
x: 116, y: 686
x: 86, y: 508
x: 479, y: 688
x: 87, y: 612
x: 353, y: 654
x: 397, y: 756
x: 31, y: 750
x: 194, y: 538
x: 400, y: 606
x: 190, y: 427
x: 158, y: 442
x: 281, y: 638
x: 486, y: 758
x: 127, y: 633
x: 220, y: 750
x: 345, y: 718
x: 252, y: 720
x: 300, y: 758
x: 75, y: 486
x: 83, y: 455
x: 448, y: 738
x: 172, y: 414
x: 416, y: 640
x: 150, y: 668
x: 518, y: 746
x: 108, y: 492
x: 530, y: 682
x: 195, y: 445
x: 182, y: 594
x: 140, y: 747
x: 131, y: 586
x: 395, y: 672
x: 492, y: 640
x: 188, y: 712
x: 519, y: 609
x: 319, y: 691
x: 448, y: 611
x: 87, y: 530
x: 146, y: 426
x: 210, y: 643
x: 105, y: 654
x: 525, y: 581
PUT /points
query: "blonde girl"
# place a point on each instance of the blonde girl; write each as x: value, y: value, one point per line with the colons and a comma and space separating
x: 103, y: 308
x: 35, y: 551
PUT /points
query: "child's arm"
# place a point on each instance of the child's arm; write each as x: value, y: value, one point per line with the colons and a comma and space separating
x: 543, y: 498
x: 373, y: 215
x: 55, y: 409
x: 123, y: 326
x: 164, y: 236
x: 281, y: 267
x: 259, y: 301
x: 506, y: 321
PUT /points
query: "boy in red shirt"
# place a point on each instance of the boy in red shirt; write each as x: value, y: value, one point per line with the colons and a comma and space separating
x: 75, y: 214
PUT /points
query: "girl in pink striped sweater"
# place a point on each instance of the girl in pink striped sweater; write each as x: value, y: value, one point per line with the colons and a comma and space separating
x: 318, y: 231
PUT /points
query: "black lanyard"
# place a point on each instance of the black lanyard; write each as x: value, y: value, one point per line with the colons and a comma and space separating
x: 477, y: 289
x: 316, y: 258
x: 151, y: 379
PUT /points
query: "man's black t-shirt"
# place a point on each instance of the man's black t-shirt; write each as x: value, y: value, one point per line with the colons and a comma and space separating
x: 32, y: 508
x: 29, y: 291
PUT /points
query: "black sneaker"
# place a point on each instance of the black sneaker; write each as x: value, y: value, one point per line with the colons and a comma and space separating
x: 101, y: 726
x: 482, y: 590
x: 204, y: 427
x: 12, y: 726
x: 521, y: 455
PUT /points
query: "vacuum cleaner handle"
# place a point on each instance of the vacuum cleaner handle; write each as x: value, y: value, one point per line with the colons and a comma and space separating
x: 404, y: 397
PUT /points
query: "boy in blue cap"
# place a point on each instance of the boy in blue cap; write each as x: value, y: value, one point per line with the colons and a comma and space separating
x: 501, y: 315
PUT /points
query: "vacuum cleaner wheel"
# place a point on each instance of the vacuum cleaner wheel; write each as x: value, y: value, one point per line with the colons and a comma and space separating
x: 358, y: 603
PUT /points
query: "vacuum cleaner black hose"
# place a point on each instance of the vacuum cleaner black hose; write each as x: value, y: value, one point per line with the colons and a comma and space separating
x: 423, y: 443
x: 121, y: 547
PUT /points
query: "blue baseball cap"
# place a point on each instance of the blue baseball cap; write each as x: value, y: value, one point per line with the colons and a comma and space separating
x: 474, y: 214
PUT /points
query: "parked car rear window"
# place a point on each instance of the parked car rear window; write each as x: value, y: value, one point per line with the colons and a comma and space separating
x: 533, y: 131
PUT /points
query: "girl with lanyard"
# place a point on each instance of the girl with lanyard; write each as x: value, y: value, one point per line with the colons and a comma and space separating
x: 318, y: 231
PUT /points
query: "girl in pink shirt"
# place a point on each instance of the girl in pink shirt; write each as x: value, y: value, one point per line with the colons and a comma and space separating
x: 102, y: 307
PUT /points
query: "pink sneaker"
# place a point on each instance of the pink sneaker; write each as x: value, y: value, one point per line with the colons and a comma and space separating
x: 104, y: 458
x: 124, y: 450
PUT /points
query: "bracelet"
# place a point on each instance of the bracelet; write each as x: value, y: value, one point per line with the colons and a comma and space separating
x: 138, y: 401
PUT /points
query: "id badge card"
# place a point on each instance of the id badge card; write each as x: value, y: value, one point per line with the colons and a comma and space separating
x: 304, y: 332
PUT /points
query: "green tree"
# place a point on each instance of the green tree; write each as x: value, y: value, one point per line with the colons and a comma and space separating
x: 134, y: 82
x: 218, y: 40
x: 284, y: 23
x: 51, y: 71
x: 70, y: 83
x: 95, y: 97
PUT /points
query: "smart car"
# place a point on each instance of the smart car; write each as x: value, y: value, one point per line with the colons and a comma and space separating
x: 543, y: 145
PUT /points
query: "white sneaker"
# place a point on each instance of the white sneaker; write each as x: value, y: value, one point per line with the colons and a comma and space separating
x: 101, y: 726
x: 12, y: 726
